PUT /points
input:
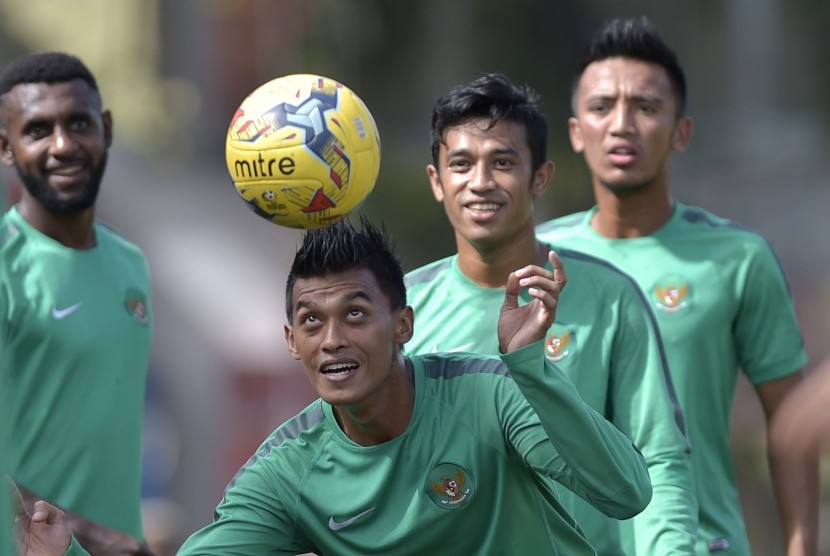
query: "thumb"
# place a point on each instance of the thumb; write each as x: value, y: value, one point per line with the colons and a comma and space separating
x: 45, y: 512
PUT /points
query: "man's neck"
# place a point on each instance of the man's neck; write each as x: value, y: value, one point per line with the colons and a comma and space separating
x: 387, y: 416
x: 632, y: 215
x: 74, y: 230
x: 489, y: 265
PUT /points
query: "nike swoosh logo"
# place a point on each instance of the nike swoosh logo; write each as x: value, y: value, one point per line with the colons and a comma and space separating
x: 59, y: 314
x: 465, y: 347
x: 337, y: 525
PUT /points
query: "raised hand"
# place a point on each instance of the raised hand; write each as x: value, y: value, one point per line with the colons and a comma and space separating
x: 41, y: 533
x: 520, y: 325
x: 44, y: 532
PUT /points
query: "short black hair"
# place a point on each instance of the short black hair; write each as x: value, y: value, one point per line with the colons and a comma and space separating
x: 342, y: 247
x: 45, y: 67
x: 497, y: 98
x: 638, y: 39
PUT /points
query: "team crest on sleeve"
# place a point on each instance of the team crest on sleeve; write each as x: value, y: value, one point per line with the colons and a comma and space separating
x: 136, y: 304
x: 560, y: 342
x: 671, y: 294
x: 450, y: 486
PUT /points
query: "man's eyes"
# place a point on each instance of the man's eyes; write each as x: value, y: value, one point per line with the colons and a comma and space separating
x: 312, y: 319
x: 463, y: 165
x: 79, y: 124
x: 40, y: 130
x: 598, y: 108
x: 356, y: 312
x: 309, y: 319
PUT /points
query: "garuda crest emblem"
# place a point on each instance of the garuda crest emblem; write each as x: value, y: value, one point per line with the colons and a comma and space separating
x: 449, y: 486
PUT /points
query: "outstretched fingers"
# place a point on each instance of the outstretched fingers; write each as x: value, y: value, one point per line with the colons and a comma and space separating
x: 559, y: 275
x: 520, y: 325
x: 543, y: 284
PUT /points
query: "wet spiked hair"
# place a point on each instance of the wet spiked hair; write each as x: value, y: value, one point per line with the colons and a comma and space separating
x: 637, y: 39
x: 342, y: 247
x: 497, y: 98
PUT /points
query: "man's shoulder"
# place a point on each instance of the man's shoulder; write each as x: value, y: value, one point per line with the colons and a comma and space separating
x: 117, y: 237
x: 9, y: 230
x: 569, y: 224
x: 290, y: 433
x: 464, y: 381
x: 456, y: 364
x: 706, y: 227
x: 118, y: 245
x: 703, y: 220
x: 428, y: 273
x: 581, y: 261
x: 586, y: 271
x: 287, y: 451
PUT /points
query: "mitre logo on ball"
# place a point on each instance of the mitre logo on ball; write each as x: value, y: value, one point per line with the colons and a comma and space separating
x: 303, y: 151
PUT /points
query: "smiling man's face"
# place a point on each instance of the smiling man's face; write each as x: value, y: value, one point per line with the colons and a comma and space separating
x: 56, y: 137
x: 486, y: 182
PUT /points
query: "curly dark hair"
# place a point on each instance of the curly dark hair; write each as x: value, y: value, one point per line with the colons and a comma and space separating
x: 45, y: 67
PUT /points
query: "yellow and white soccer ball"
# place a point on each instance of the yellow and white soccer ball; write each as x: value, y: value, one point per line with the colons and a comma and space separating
x: 303, y: 151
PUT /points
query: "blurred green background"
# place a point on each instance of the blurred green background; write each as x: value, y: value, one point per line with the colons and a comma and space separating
x: 173, y: 72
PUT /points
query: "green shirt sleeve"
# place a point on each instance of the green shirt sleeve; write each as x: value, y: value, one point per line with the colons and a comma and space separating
x: 75, y: 549
x: 645, y: 408
x: 602, y: 464
x: 767, y: 335
x: 251, y: 519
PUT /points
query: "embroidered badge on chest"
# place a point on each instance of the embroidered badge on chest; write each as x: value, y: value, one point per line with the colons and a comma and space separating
x: 671, y: 294
x: 560, y: 342
x: 136, y: 304
x: 450, y: 486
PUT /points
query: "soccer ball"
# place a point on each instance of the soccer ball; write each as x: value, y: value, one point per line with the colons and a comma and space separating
x: 303, y: 151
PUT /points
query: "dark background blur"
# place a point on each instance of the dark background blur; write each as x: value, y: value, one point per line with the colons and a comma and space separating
x: 173, y: 72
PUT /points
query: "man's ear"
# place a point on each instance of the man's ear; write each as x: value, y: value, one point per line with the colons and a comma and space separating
x: 575, y: 134
x: 405, y: 325
x: 435, y: 183
x: 542, y: 178
x: 682, y: 134
x: 289, y: 339
x: 106, y: 118
x: 6, y: 154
